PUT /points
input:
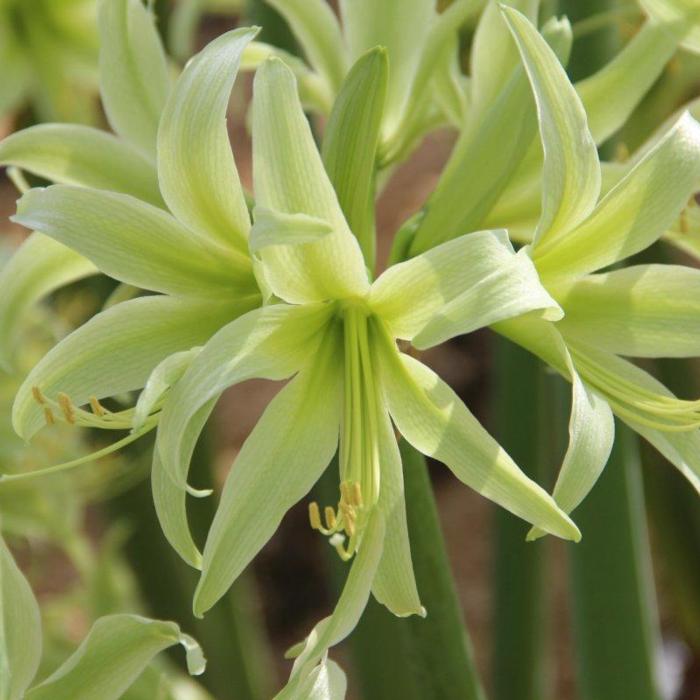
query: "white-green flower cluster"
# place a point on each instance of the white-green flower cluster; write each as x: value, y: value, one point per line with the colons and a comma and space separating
x: 280, y: 284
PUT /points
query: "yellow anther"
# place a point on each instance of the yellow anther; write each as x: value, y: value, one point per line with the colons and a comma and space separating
x: 331, y: 521
x: 622, y: 152
x: 97, y: 408
x: 315, y: 516
x: 38, y: 396
x: 350, y: 525
x: 345, y: 492
x: 67, y: 407
x: 357, y: 494
x: 48, y: 415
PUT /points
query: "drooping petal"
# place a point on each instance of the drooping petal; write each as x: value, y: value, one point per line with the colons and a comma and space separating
x: 40, y: 266
x: 80, y: 155
x: 20, y: 629
x: 325, y: 682
x: 278, y: 464
x: 112, y: 656
x: 134, y: 242
x: 350, y: 607
x: 457, y: 287
x: 639, y: 311
x: 290, y: 178
x: 636, y: 212
x: 436, y: 422
x: 571, y: 172
x: 273, y: 342
x: 196, y: 168
x: 116, y: 350
x: 134, y: 80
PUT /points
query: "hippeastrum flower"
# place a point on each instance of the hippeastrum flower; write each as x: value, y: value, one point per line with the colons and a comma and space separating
x: 48, y: 51
x: 195, y: 258
x: 639, y: 311
x: 495, y: 168
x: 333, y: 334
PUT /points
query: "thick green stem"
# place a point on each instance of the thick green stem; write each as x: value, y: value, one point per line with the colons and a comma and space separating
x: 615, y: 620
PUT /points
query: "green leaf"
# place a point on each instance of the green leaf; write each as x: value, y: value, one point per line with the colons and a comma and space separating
x: 458, y: 287
x: 610, y: 95
x: 197, y: 171
x: 636, y: 212
x: 290, y: 178
x: 112, y: 656
x: 571, y: 172
x: 283, y: 457
x: 277, y: 228
x: 116, y: 351
x: 350, y: 143
x: 273, y: 342
x: 639, y: 311
x: 80, y: 155
x: 436, y: 422
x: 134, y: 242
x: 20, y: 629
x: 40, y: 266
x: 134, y: 80
x: 316, y: 28
x: 677, y: 11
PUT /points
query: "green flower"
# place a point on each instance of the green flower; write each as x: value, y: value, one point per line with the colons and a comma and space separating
x: 48, y: 51
x: 640, y: 311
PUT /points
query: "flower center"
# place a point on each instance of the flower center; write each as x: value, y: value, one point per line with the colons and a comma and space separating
x: 359, y: 441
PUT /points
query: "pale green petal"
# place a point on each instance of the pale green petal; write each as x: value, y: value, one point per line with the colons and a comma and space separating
x: 571, y: 172
x: 116, y: 351
x: 611, y: 94
x: 316, y: 27
x: 112, y: 656
x: 394, y: 584
x: 40, y: 266
x: 348, y: 611
x: 458, y: 287
x: 80, y: 155
x: 436, y: 422
x: 636, y: 212
x: 326, y: 682
x: 134, y: 79
x: 289, y: 177
x: 283, y: 457
x: 271, y: 343
x: 20, y: 629
x: 640, y: 311
x: 197, y: 171
x: 674, y: 11
x: 402, y: 27
x: 277, y: 228
x: 350, y: 142
x: 133, y: 242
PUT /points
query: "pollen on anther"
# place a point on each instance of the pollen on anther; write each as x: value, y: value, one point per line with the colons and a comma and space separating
x: 97, y: 408
x: 38, y: 396
x: 357, y: 494
x: 66, y: 406
x: 331, y: 522
x: 48, y: 416
x: 314, y: 516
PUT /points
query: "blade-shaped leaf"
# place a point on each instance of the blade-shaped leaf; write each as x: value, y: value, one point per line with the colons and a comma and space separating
x: 80, y: 155
x: 197, y: 171
x: 20, y: 629
x: 134, y: 80
x: 112, y: 656
x: 134, y: 242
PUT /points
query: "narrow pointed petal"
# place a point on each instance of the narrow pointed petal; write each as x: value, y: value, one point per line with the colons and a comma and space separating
x: 326, y: 682
x: 350, y: 607
x: 196, y: 168
x: 116, y: 351
x: 458, y: 287
x: 20, y: 629
x: 636, y: 212
x: 639, y: 311
x: 436, y: 422
x: 69, y: 154
x: 40, y: 266
x: 273, y: 342
x: 134, y: 80
x: 571, y: 173
x: 290, y: 178
x: 133, y: 242
x: 278, y: 464
x: 112, y: 656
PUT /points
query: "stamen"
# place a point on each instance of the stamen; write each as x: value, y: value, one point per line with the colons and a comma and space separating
x: 315, y: 516
x: 48, y: 416
x: 331, y: 521
x: 38, y: 396
x: 357, y: 494
x: 97, y: 408
x: 67, y: 407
